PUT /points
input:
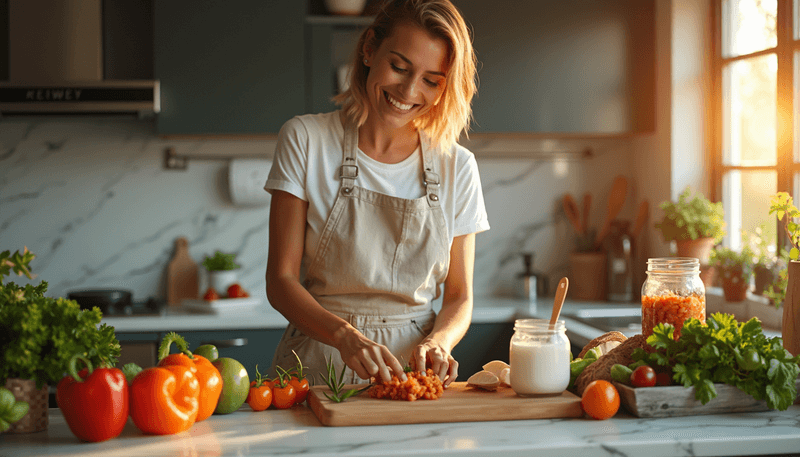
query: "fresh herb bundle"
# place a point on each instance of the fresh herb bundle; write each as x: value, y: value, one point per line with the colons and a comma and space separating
x: 726, y: 351
x: 221, y: 262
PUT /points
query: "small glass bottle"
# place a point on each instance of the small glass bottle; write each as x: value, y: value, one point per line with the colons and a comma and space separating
x: 539, y: 357
x: 672, y: 293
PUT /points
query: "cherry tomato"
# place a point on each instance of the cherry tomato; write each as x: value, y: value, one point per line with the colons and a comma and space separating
x: 643, y: 376
x: 301, y: 389
x: 259, y: 397
x: 211, y: 294
x: 663, y: 379
x: 600, y: 400
x: 283, y: 397
x: 236, y: 291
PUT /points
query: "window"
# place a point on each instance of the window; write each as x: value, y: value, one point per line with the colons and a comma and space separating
x: 757, y: 76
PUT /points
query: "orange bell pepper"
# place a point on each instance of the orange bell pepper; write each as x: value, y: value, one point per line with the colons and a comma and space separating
x: 207, y: 374
x: 164, y: 400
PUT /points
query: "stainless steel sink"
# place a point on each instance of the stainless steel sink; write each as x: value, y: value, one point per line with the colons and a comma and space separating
x: 628, y: 321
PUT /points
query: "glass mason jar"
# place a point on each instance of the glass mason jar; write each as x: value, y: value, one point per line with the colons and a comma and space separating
x: 539, y: 357
x: 672, y: 293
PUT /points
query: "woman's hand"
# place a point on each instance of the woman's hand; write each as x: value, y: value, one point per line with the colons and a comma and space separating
x: 442, y: 363
x: 368, y: 358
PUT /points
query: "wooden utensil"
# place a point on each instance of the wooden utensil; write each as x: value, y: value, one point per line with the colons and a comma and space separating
x: 615, y: 201
x: 561, y: 294
x: 641, y: 218
x: 587, y: 203
x: 571, y: 208
x: 182, y: 278
x: 458, y: 403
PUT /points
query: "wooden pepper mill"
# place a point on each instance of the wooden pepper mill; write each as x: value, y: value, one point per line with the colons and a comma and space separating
x: 791, y: 310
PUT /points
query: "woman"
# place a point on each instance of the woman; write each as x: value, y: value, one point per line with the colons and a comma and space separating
x: 375, y: 207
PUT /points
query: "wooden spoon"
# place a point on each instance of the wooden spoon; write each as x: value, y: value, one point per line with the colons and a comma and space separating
x: 615, y: 201
x: 641, y: 218
x: 587, y: 204
x: 571, y: 208
x: 561, y: 294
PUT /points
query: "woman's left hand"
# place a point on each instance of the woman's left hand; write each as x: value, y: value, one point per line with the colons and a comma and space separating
x: 442, y: 363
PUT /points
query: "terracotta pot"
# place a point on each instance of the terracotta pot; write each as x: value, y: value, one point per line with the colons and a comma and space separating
x: 25, y: 390
x: 791, y: 310
x: 699, y: 249
x: 764, y: 277
x: 734, y: 287
x: 588, y: 276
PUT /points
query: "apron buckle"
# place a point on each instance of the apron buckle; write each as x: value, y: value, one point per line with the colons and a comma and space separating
x: 348, y: 172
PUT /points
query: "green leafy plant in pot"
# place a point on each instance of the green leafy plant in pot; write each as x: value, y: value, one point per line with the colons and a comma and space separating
x: 735, y: 270
x: 766, y: 262
x: 222, y: 271
x: 784, y: 209
x: 694, y: 223
x: 38, y: 337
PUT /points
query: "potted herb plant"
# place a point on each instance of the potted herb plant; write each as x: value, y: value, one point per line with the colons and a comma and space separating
x: 735, y: 270
x: 783, y: 207
x: 695, y: 224
x: 222, y: 271
x: 38, y: 337
x: 765, y: 261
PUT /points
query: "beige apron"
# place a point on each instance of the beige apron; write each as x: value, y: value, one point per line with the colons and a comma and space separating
x: 378, y: 265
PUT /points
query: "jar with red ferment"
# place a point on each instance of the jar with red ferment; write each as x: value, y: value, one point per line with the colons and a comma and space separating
x: 672, y: 293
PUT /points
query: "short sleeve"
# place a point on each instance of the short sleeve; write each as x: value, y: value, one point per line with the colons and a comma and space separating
x: 470, y: 213
x: 290, y: 163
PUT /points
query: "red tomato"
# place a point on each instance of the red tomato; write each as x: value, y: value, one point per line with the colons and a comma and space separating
x: 283, y: 397
x: 236, y: 291
x: 301, y: 389
x: 211, y: 294
x: 643, y: 376
x: 600, y: 400
x: 260, y: 397
x: 663, y: 379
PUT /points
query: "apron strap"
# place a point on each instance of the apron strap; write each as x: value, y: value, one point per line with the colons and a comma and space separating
x: 348, y: 172
x: 432, y: 180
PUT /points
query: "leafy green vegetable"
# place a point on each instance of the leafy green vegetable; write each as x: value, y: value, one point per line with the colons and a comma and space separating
x: 726, y: 351
x: 782, y: 205
x: 220, y: 262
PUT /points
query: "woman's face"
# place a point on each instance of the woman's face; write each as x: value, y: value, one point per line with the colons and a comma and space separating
x: 406, y: 76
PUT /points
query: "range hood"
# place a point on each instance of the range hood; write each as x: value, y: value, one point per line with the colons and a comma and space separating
x: 55, y: 63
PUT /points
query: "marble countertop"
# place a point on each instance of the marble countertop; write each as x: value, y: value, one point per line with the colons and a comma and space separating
x: 298, y: 432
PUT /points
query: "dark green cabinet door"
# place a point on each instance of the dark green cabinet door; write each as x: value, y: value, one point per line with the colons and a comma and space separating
x: 229, y: 67
x: 572, y: 66
x: 482, y: 344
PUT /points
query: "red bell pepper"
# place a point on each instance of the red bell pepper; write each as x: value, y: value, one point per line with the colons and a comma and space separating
x: 207, y: 374
x: 164, y: 400
x: 94, y: 402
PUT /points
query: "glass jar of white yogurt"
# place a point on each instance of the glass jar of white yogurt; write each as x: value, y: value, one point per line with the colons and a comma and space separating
x: 539, y: 357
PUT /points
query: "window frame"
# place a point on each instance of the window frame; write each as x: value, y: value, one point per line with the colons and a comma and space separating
x: 785, y: 116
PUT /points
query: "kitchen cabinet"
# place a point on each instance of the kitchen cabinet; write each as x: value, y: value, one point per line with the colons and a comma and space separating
x: 574, y: 66
x: 232, y: 67
x: 482, y: 343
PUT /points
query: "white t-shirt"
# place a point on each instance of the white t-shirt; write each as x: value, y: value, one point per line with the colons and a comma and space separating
x: 307, y: 160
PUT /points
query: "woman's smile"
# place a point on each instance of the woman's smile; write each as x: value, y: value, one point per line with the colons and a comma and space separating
x: 403, y: 107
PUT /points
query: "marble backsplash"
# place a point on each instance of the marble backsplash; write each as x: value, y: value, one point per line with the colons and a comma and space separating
x: 92, y: 199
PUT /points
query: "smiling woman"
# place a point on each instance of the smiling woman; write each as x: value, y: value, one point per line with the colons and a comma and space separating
x: 375, y: 207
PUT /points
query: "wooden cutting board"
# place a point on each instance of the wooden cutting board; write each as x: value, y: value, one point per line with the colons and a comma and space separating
x: 459, y: 403
x: 182, y: 276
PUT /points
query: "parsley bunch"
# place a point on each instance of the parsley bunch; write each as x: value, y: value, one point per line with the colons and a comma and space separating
x: 726, y: 351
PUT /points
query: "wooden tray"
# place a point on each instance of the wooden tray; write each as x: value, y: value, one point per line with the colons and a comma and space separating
x: 459, y: 403
x: 671, y: 401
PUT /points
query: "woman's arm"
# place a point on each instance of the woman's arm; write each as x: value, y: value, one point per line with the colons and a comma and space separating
x: 287, y: 228
x: 456, y: 314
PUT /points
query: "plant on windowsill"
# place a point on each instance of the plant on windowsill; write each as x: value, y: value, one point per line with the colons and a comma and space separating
x: 783, y: 207
x: 38, y: 337
x: 766, y: 262
x: 735, y: 270
x: 694, y: 223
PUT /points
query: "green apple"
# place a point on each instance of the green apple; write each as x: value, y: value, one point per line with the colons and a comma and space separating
x: 208, y: 351
x: 235, y: 385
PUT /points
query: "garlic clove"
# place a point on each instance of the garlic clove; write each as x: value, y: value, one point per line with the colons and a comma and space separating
x: 484, y: 380
x: 495, y: 366
x: 505, y: 376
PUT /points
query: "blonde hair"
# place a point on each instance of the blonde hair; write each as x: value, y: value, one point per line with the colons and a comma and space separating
x: 446, y: 120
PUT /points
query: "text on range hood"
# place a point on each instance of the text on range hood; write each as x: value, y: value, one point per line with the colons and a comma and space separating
x: 56, y: 63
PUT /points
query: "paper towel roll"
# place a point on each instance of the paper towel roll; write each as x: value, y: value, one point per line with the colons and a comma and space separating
x: 246, y: 179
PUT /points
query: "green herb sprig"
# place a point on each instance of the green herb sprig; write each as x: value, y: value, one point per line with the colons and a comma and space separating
x: 220, y: 262
x: 337, y: 385
x: 782, y: 205
x: 726, y: 351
